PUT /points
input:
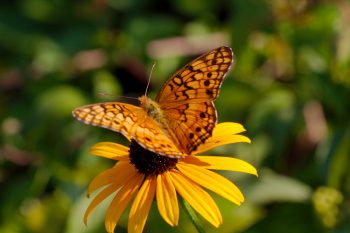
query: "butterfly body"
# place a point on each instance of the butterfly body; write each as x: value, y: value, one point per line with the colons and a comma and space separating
x: 152, y: 108
x: 181, y: 117
x: 154, y: 111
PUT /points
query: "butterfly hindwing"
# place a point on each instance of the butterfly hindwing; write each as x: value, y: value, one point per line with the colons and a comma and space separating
x: 156, y: 139
x: 192, y: 123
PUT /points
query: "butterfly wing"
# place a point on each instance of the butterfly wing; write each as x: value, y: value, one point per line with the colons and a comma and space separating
x: 199, y: 80
x: 194, y: 126
x: 132, y: 122
x: 187, y: 97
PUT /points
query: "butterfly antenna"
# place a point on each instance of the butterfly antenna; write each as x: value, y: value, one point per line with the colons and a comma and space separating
x: 128, y: 97
x: 100, y: 93
x: 110, y: 95
x: 149, y: 78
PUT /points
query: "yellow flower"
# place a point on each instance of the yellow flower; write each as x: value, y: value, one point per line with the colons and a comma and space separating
x: 141, y: 174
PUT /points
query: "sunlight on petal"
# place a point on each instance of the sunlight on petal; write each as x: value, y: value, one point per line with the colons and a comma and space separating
x: 121, y: 171
x: 98, y: 199
x: 220, y: 163
x: 199, y: 199
x: 213, y: 182
x: 168, y: 206
x: 141, y: 206
x: 121, y: 201
x: 110, y: 150
x: 223, y: 133
x: 102, y: 179
x: 216, y: 141
x: 226, y: 128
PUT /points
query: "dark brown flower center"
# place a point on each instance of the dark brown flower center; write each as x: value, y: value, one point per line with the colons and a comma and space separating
x: 148, y: 162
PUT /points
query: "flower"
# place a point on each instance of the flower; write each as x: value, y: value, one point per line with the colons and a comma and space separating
x: 144, y: 175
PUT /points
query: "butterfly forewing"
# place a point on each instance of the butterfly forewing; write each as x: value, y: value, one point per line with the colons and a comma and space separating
x: 114, y: 116
x: 187, y: 97
x: 199, y: 80
x: 132, y: 122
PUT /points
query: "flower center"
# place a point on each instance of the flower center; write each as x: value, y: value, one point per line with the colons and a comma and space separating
x: 148, y: 162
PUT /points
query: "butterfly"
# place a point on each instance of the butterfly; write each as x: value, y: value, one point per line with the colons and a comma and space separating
x: 181, y: 117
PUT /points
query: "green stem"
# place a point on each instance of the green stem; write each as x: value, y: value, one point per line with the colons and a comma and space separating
x: 193, y: 216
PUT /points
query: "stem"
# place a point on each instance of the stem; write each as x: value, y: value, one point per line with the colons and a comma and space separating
x: 193, y: 216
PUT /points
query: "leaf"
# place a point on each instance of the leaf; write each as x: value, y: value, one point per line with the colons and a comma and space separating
x: 273, y: 187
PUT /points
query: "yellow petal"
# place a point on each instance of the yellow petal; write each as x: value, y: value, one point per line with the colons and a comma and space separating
x: 199, y: 199
x: 213, y: 182
x: 226, y: 128
x: 98, y: 199
x: 167, y: 199
x: 121, y: 201
x: 141, y: 206
x: 121, y: 171
x: 110, y: 150
x: 220, y: 163
x: 214, y: 142
x: 224, y: 133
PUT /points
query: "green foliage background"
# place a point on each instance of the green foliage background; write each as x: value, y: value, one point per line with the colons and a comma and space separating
x: 289, y: 88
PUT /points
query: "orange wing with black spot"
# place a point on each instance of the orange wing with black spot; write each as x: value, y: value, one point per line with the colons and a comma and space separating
x: 187, y: 97
x: 187, y: 115
x: 132, y: 122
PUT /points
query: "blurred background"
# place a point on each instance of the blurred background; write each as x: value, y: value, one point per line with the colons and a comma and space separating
x: 289, y: 88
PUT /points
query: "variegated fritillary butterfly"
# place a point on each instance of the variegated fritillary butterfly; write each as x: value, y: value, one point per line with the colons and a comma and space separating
x: 183, y: 114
